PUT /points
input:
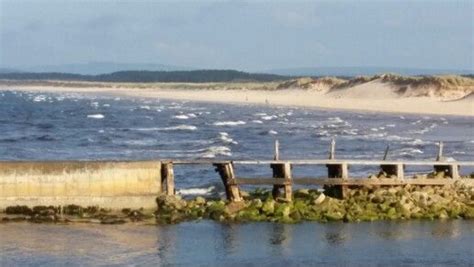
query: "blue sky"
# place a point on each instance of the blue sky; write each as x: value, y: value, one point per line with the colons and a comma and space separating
x: 251, y: 35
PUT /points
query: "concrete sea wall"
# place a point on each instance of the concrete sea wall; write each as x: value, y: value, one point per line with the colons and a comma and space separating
x: 113, y: 185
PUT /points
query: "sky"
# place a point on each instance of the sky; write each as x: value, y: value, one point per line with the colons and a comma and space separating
x: 243, y: 35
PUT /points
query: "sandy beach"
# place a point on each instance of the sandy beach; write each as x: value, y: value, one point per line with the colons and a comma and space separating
x: 372, y: 97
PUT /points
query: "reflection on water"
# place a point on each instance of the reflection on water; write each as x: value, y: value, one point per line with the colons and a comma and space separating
x: 208, y: 243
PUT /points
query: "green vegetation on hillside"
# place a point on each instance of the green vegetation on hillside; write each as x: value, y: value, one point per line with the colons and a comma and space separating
x: 194, y: 76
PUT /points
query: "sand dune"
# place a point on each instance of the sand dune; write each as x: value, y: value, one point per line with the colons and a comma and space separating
x: 375, y: 89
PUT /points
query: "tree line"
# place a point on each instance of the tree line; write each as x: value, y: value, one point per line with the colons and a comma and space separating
x: 193, y: 76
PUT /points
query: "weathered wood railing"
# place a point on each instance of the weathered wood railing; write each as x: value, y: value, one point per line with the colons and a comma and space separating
x: 338, y: 178
x: 338, y: 174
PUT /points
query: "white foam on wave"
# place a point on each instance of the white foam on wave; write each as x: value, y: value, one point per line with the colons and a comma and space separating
x: 180, y: 127
x: 272, y: 132
x: 181, y: 117
x: 224, y: 137
x: 409, y: 151
x: 196, y: 191
x: 96, y: 116
x: 40, y: 98
x: 416, y: 142
x: 396, y: 138
x: 267, y: 118
x: 213, y: 151
x: 336, y: 120
x: 422, y: 131
x: 171, y: 128
x: 144, y: 142
x: 229, y: 123
x: 257, y: 121
x: 390, y: 125
x: 260, y: 114
x: 350, y: 132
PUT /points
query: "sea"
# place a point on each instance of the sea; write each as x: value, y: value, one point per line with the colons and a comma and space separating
x: 75, y: 126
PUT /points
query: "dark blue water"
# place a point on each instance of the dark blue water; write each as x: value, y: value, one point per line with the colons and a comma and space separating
x: 36, y: 126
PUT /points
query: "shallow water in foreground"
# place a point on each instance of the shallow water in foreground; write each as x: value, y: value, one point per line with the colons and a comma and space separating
x: 255, y: 244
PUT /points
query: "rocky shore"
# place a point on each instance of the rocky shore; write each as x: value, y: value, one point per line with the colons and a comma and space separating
x: 362, y: 204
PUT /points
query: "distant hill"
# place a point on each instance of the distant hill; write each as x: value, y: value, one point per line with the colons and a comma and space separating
x: 194, y: 76
x: 95, y: 68
x: 8, y: 70
x: 359, y: 71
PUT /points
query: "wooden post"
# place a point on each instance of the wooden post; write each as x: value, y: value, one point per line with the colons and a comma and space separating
x: 282, y: 171
x: 167, y: 178
x: 337, y: 170
x: 400, y: 171
x: 277, y: 150
x: 440, y: 151
x: 450, y: 170
x: 454, y: 171
x: 386, y: 152
x: 332, y: 149
x: 226, y: 172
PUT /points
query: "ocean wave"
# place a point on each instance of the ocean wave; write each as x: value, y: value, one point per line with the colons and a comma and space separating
x: 396, y: 138
x: 214, y: 151
x: 350, y: 132
x: 336, y: 120
x: 40, y: 98
x: 96, y: 116
x: 267, y: 118
x: 171, y: 128
x: 224, y: 137
x: 181, y: 117
x: 257, y: 121
x: 409, y: 151
x: 416, y: 142
x: 144, y: 142
x: 211, y: 190
x: 229, y: 123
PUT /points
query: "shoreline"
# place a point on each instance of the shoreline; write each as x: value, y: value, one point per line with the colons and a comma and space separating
x: 400, y: 203
x: 276, y: 98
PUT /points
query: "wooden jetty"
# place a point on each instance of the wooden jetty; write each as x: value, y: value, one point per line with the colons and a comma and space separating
x: 338, y: 178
